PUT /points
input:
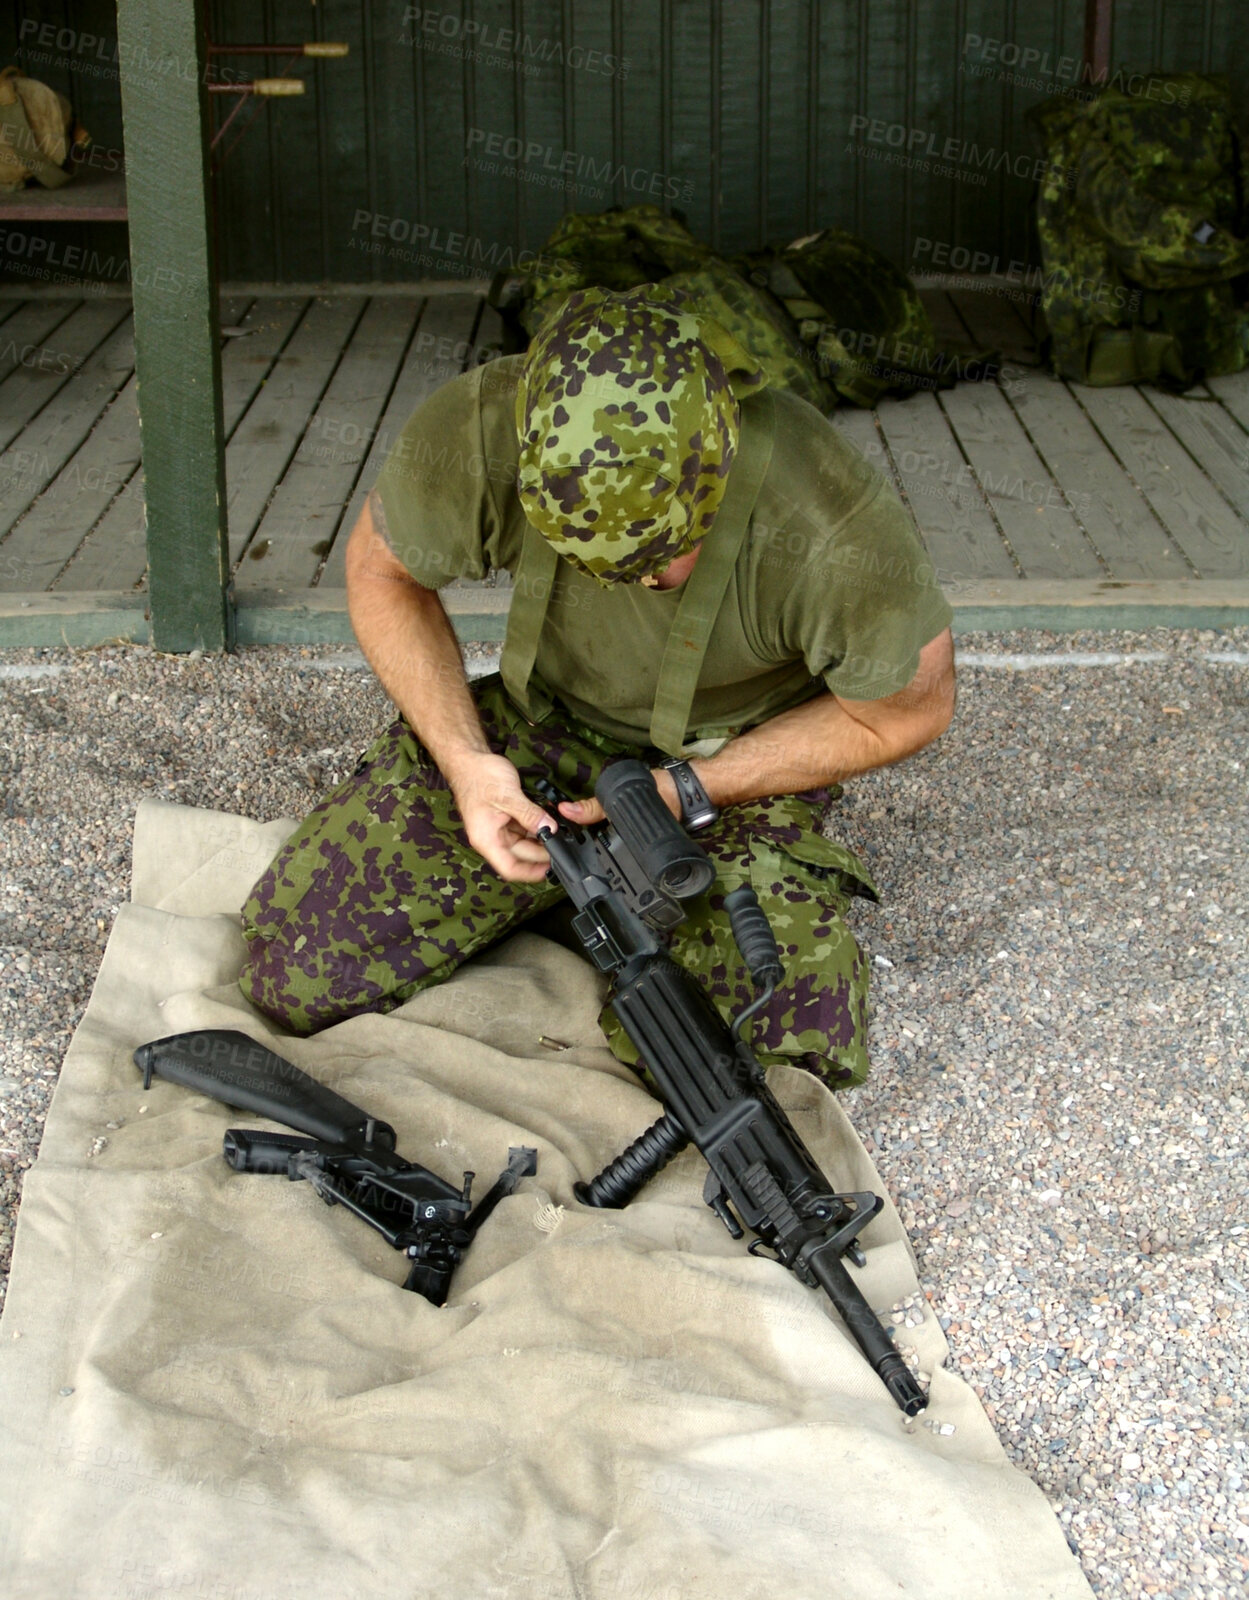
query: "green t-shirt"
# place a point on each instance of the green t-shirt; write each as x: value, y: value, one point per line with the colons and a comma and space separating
x: 832, y: 588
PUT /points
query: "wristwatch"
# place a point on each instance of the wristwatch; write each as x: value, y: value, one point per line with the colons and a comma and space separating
x: 697, y: 810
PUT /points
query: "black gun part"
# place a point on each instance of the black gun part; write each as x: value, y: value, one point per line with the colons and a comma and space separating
x: 345, y: 1155
x: 761, y: 1177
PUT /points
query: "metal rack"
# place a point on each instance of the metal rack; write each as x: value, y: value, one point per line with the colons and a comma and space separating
x: 99, y: 195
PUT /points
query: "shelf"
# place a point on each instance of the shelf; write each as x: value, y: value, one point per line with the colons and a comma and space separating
x: 91, y: 195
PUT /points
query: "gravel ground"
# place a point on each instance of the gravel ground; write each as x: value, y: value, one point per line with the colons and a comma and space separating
x: 1059, y: 1036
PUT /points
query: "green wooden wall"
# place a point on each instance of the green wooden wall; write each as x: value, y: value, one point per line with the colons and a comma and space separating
x: 739, y: 114
x: 757, y: 120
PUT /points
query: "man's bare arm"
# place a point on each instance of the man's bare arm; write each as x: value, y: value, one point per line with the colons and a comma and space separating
x: 823, y: 741
x: 829, y: 739
x: 409, y: 642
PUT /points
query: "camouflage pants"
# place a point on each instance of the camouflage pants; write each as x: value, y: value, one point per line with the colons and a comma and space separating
x: 378, y: 894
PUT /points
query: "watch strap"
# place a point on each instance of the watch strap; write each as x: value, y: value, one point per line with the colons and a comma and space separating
x: 697, y: 808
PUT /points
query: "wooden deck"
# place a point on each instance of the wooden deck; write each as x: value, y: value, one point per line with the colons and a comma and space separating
x: 1042, y: 503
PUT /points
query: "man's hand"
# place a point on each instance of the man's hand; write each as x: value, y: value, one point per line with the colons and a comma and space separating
x: 499, y: 818
x: 587, y: 811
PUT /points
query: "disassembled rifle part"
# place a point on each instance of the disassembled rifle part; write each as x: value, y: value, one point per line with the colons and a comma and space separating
x: 345, y: 1155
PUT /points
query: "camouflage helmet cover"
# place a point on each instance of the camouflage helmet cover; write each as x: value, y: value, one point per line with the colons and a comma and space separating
x: 628, y: 416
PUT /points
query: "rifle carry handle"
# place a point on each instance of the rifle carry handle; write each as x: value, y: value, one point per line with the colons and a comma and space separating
x: 229, y: 1067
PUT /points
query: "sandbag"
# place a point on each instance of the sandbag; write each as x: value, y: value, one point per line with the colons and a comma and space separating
x: 35, y: 124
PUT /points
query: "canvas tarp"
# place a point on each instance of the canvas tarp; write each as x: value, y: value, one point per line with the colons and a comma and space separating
x: 212, y: 1386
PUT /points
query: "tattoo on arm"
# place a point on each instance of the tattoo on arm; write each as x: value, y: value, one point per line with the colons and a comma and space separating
x: 378, y: 514
x: 366, y: 560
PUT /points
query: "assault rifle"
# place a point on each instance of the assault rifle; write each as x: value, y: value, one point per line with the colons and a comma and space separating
x: 626, y: 879
x: 345, y: 1155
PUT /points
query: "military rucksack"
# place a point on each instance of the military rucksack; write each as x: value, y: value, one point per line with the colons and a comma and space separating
x: 1139, y: 222
x: 827, y: 317
x: 860, y: 319
x: 617, y: 249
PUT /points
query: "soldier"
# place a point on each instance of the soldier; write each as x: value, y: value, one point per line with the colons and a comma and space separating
x: 707, y: 574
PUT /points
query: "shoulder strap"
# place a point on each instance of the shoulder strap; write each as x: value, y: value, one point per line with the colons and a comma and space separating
x: 706, y: 585
x: 532, y: 584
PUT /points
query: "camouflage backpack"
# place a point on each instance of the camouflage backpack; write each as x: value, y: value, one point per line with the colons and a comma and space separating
x: 760, y: 324
x: 790, y: 308
x: 860, y: 319
x: 1138, y: 218
x: 617, y: 250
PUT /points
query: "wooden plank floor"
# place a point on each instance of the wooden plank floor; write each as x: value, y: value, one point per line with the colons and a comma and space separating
x: 1022, y: 486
